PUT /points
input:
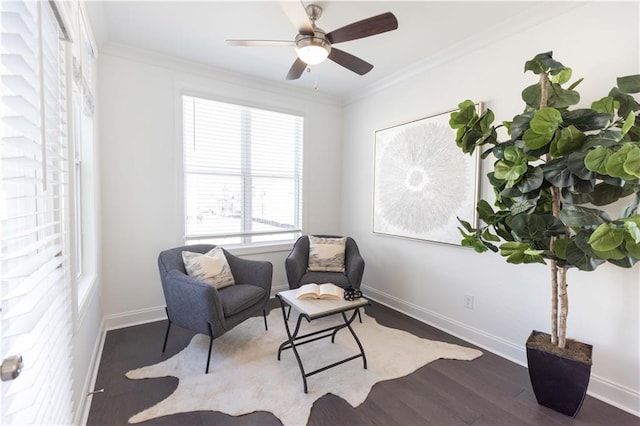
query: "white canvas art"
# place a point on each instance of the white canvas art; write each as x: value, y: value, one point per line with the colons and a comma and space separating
x: 423, y: 181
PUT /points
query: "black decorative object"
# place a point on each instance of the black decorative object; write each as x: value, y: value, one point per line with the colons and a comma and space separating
x: 352, y: 294
x: 558, y: 382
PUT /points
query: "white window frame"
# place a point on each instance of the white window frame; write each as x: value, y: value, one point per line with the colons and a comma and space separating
x: 245, y: 247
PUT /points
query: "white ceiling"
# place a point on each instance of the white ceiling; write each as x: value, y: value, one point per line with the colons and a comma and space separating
x: 196, y: 31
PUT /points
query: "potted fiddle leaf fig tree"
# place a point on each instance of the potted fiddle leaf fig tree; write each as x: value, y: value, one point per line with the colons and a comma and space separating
x: 567, y: 189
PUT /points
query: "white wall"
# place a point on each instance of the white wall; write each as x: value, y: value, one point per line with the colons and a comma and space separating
x: 429, y: 281
x: 142, y: 211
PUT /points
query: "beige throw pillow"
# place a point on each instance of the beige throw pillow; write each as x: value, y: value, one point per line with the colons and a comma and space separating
x: 326, y: 254
x: 211, y: 267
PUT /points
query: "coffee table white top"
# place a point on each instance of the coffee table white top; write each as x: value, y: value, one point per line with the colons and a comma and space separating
x: 319, y: 307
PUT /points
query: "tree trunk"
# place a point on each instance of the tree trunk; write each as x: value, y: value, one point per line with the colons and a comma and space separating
x: 555, y: 203
x: 564, y: 307
x: 554, y: 300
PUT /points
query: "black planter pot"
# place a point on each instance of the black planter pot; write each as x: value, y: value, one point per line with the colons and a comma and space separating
x: 559, y: 383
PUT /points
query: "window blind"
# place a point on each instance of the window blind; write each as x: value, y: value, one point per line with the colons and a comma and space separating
x: 35, y: 292
x: 242, y: 173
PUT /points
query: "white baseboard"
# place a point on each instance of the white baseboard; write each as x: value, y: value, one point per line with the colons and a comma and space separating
x: 612, y: 393
x: 131, y: 318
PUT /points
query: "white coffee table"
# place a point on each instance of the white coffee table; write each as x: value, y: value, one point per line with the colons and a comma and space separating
x: 312, y: 309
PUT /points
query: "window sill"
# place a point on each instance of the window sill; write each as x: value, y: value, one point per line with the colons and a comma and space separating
x: 86, y: 285
x: 260, y: 248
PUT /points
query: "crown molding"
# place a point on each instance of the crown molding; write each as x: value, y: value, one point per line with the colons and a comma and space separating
x: 530, y: 17
x: 244, y: 81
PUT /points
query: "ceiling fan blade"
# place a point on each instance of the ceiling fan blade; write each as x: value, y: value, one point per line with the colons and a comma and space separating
x: 261, y: 43
x: 297, y: 14
x: 349, y: 61
x: 296, y: 70
x: 365, y: 28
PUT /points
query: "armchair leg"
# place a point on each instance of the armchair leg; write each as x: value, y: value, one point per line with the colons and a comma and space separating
x: 359, y: 316
x: 206, y: 371
x: 166, y: 335
x: 264, y: 315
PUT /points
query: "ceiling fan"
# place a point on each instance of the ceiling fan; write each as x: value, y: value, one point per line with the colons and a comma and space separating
x: 313, y: 45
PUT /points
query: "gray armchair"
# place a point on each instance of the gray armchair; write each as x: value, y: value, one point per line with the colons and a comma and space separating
x: 298, y: 260
x: 199, y: 307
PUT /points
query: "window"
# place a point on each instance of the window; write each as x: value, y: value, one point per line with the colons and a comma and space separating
x: 35, y: 293
x: 82, y: 170
x: 242, y: 173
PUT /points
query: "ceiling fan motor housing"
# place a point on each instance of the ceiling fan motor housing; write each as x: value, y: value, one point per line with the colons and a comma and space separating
x: 313, y: 49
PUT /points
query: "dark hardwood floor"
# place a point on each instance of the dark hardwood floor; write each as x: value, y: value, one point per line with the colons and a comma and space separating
x: 487, y: 391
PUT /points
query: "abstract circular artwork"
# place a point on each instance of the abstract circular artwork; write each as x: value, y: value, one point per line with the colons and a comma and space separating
x: 422, y: 181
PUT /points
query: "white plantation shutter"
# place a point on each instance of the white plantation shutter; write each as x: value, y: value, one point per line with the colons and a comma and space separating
x: 35, y: 291
x: 242, y: 173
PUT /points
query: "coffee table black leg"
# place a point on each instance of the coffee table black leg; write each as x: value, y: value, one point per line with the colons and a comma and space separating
x: 340, y: 327
x: 355, y: 337
x: 290, y: 343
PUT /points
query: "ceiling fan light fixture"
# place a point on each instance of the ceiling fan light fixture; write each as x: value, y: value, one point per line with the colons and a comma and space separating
x: 312, y: 50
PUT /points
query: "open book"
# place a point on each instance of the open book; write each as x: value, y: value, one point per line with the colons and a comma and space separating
x: 319, y: 291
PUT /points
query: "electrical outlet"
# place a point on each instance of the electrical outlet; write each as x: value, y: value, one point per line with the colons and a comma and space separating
x: 468, y: 301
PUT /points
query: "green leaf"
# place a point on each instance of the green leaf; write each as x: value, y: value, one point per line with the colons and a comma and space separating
x: 605, y: 194
x: 487, y: 235
x: 633, y: 231
x: 466, y: 225
x: 629, y: 84
x: 632, y: 247
x: 513, y: 154
x: 575, y: 163
x: 627, y: 262
x: 561, y: 98
x: 606, y: 237
x: 575, y: 84
x: 583, y: 261
x: 508, y: 171
x: 627, y: 102
x: 557, y: 172
x: 576, y: 216
x: 520, y: 124
x: 586, y: 119
x: 569, y: 140
x: 606, y: 138
x: 465, y: 116
x: 534, y: 140
x: 616, y: 161
x: 546, y: 121
x: 628, y: 123
x: 485, y: 212
x: 562, y: 77
x: 560, y: 248
x: 632, y: 163
x: 520, y: 253
x: 531, y: 96
x: 472, y: 241
x: 606, y: 105
x: 537, y: 65
x: 532, y: 180
x: 596, y: 160
x: 615, y: 254
x: 529, y: 227
x: 526, y: 207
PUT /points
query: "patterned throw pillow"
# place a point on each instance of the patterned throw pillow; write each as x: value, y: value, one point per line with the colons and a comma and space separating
x: 211, y: 267
x: 326, y: 254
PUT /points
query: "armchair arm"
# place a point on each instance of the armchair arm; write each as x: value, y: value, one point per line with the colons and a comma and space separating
x: 192, y: 304
x: 296, y: 264
x: 354, y: 266
x: 247, y: 271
